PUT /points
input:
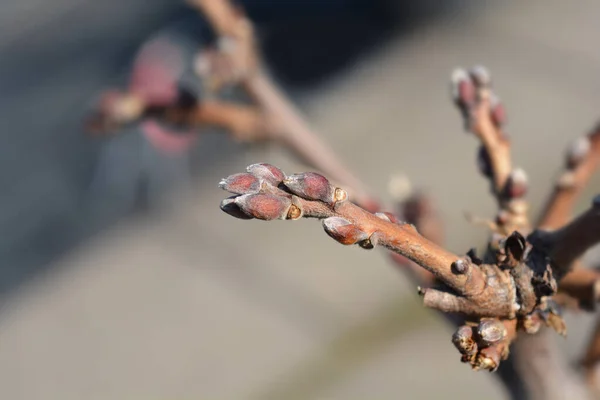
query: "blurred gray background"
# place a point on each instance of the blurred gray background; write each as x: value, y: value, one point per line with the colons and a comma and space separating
x: 185, y: 302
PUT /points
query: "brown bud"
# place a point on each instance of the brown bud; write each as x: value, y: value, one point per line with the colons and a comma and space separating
x: 577, y: 151
x: 490, y: 331
x: 266, y: 172
x: 481, y: 76
x: 230, y: 207
x: 484, y: 164
x: 463, y: 340
x: 460, y: 266
x: 487, y: 361
x: 264, y: 206
x: 516, y: 186
x: 240, y: 184
x: 343, y: 231
x: 531, y: 324
x: 310, y: 186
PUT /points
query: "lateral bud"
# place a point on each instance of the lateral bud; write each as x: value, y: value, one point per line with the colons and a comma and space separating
x: 517, y: 183
x: 460, y: 266
x: 577, y: 151
x: 243, y: 183
x: 465, y: 343
x: 311, y: 186
x: 491, y: 331
x: 230, y: 207
x: 497, y: 112
x: 344, y: 231
x: 264, y: 206
x: 463, y: 90
x: 481, y: 76
x: 267, y: 172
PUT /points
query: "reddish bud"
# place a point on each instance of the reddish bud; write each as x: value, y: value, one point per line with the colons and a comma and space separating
x: 516, y: 186
x: 463, y: 90
x: 264, y: 206
x: 267, y: 172
x: 343, y: 231
x: 310, y: 186
x: 577, y: 151
x: 497, y: 112
x: 484, y: 164
x: 228, y: 205
x: 481, y: 76
x: 240, y: 183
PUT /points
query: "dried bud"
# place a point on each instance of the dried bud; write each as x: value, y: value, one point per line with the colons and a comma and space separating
x: 514, y: 247
x: 266, y: 172
x: 481, y: 76
x: 264, y: 206
x: 463, y: 89
x: 491, y: 331
x: 240, y: 184
x: 487, y: 361
x: 484, y: 163
x: 464, y: 342
x: 460, y: 266
x: 310, y: 186
x: 577, y: 151
x: 516, y: 186
x: 531, y: 324
x: 230, y: 207
x: 343, y: 231
x: 472, y: 254
x: 497, y: 112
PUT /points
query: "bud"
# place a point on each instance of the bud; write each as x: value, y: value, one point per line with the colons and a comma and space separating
x: 531, y: 324
x: 516, y: 186
x: 266, y: 172
x: 464, y: 342
x: 343, y: 231
x: 577, y: 151
x: 484, y: 163
x: 264, y: 206
x: 489, y: 361
x: 481, y: 76
x: 463, y: 89
x: 491, y: 331
x: 240, y: 183
x: 472, y: 254
x: 497, y: 112
x: 387, y: 216
x: 460, y: 266
x: 514, y: 247
x: 228, y: 205
x: 310, y: 186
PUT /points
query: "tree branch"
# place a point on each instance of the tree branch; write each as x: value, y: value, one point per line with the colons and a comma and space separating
x: 567, y: 244
x: 581, y: 162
